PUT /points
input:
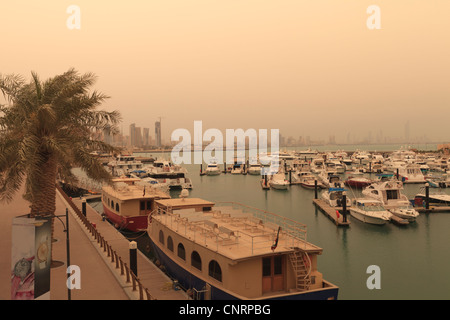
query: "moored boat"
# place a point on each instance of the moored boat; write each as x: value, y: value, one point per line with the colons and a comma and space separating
x: 370, y: 211
x: 128, y: 203
x: 334, y: 197
x: 357, y: 182
x: 232, y: 251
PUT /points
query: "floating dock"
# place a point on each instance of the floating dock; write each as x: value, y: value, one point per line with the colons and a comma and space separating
x: 334, y: 213
x: 398, y: 220
x: 432, y: 209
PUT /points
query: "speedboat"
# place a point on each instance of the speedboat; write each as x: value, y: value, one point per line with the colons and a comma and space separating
x: 357, y: 182
x: 370, y: 211
x: 278, y: 181
x: 331, y: 180
x: 212, y: 169
x: 254, y: 169
x: 334, y: 197
x: 389, y: 193
x: 405, y: 212
x: 411, y: 174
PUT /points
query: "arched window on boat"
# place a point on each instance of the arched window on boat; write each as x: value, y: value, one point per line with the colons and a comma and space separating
x: 196, y: 261
x: 214, y: 270
x: 170, y: 243
x: 112, y: 204
x: 181, y: 252
x: 117, y: 206
x: 161, y: 236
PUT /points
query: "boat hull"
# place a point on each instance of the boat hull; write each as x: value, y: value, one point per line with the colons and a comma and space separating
x: 190, y: 281
x: 367, y: 219
x: 133, y: 223
x: 212, y: 173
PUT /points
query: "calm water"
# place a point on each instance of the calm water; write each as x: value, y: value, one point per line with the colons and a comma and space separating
x: 414, y: 260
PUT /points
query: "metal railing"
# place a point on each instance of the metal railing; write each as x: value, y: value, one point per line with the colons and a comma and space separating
x: 125, y: 270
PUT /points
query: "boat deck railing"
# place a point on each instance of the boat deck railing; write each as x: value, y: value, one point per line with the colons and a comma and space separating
x: 250, y: 230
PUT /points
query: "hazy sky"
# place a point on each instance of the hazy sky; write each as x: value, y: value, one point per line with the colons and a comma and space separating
x: 306, y: 67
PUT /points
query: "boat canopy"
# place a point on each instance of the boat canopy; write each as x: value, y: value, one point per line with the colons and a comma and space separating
x: 336, y: 189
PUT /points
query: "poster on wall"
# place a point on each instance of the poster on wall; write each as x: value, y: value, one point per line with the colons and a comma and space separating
x: 31, y: 258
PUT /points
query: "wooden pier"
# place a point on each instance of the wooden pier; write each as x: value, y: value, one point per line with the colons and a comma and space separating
x: 334, y: 213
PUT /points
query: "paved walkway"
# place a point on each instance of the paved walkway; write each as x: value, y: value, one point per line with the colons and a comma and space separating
x: 99, y: 280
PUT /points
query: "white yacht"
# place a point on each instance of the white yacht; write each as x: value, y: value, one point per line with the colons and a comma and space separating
x: 370, y: 211
x: 389, y: 193
x: 317, y: 165
x: 254, y: 169
x: 124, y: 164
x: 334, y: 197
x: 212, y: 169
x: 411, y: 173
x: 278, y: 181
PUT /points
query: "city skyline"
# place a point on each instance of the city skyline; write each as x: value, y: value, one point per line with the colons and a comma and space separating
x: 308, y: 68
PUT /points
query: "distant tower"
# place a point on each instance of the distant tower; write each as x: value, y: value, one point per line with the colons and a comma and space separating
x: 158, y: 133
x: 132, y: 134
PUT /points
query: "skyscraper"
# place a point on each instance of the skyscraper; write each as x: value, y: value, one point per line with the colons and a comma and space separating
x: 158, y: 133
x: 132, y: 134
x: 145, y: 137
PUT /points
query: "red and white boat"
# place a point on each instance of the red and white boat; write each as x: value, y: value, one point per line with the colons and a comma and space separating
x: 357, y: 182
x: 129, y: 201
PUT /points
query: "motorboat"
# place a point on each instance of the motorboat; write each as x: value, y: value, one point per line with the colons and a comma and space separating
x: 334, y: 197
x: 442, y: 182
x: 331, y: 180
x: 389, y: 193
x: 411, y: 173
x: 212, y: 169
x: 317, y: 165
x: 254, y: 169
x: 370, y: 211
x: 405, y: 212
x: 308, y: 180
x: 124, y: 164
x: 278, y: 181
x: 357, y: 182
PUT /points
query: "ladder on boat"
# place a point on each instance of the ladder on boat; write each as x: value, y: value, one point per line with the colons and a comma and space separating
x: 301, y: 263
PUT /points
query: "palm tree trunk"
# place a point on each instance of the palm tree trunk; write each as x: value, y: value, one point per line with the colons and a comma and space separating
x: 44, y: 202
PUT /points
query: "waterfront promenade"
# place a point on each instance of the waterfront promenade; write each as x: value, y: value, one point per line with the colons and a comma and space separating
x: 100, y: 280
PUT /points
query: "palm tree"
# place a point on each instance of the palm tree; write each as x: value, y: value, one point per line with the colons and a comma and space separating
x: 46, y: 129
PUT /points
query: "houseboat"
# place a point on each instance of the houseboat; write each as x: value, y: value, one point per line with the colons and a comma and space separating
x: 230, y: 251
x: 128, y: 202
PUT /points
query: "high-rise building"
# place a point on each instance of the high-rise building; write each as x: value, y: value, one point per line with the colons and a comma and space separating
x: 132, y: 134
x: 145, y: 137
x: 158, y: 133
x: 138, y: 137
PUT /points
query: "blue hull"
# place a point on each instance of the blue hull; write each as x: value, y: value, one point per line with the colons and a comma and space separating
x: 189, y: 281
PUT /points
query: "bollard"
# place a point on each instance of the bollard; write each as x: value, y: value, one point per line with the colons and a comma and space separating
x: 133, y: 257
x: 344, y: 206
x: 315, y: 189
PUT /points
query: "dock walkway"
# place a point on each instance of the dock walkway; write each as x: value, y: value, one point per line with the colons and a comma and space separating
x: 100, y: 280
x: 331, y: 213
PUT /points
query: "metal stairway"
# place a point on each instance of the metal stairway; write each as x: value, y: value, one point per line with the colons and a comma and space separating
x: 301, y: 264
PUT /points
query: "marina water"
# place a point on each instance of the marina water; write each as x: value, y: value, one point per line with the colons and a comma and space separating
x: 414, y: 259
